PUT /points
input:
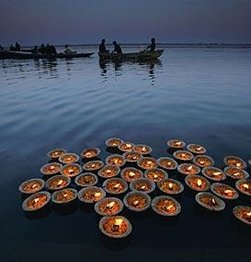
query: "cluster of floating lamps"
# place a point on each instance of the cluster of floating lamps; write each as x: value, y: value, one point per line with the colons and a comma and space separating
x: 142, y: 175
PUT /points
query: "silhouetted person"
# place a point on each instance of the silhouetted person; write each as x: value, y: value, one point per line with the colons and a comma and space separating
x: 152, y: 46
x: 68, y: 50
x: 41, y: 49
x: 12, y: 48
x: 102, y: 47
x: 1, y: 48
x: 34, y: 50
x: 53, y: 50
x: 17, y: 47
x: 117, y: 49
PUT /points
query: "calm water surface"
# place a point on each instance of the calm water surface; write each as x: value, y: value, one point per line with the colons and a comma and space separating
x: 198, y: 95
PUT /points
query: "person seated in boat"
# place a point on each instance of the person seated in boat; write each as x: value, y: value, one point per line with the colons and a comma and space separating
x: 68, y: 50
x: 17, y: 46
x: 12, y: 48
x: 53, y: 50
x: 41, y: 49
x: 117, y: 49
x: 34, y: 50
x: 152, y: 46
x: 102, y: 47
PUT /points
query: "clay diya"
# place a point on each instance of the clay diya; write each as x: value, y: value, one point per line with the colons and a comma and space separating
x: 137, y: 201
x: 115, y: 186
x: 131, y: 173
x: 244, y: 186
x: 86, y: 179
x: 183, y: 155
x: 93, y: 165
x: 115, y: 226
x: 170, y: 186
x: 197, y: 183
x: 167, y: 163
x: 166, y: 206
x: 64, y: 196
x: 147, y: 163
x: 143, y: 184
x: 210, y: 201
x: 91, y: 194
x: 176, y: 143
x: 57, y: 182
x: 71, y: 170
x: 115, y: 160
x: 132, y: 157
x: 203, y: 161
x: 109, y: 206
x: 90, y: 153
x: 143, y: 149
x: 188, y: 169
x: 31, y: 186
x: 196, y: 149
x: 224, y: 191
x: 56, y: 153
x: 236, y: 173
x: 68, y: 158
x: 109, y: 171
x: 113, y: 142
x: 243, y: 213
x: 235, y: 161
x: 155, y: 174
x: 50, y: 169
x: 126, y: 147
x: 36, y: 201
x: 213, y: 173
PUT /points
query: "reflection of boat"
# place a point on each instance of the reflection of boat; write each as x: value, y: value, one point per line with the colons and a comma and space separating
x: 143, y: 55
x: 26, y: 55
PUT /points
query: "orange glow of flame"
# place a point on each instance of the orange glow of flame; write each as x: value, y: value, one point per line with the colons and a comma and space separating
x: 198, y: 148
x: 36, y: 199
x: 65, y: 194
x: 60, y: 182
x: 190, y: 168
x: 69, y: 158
x: 149, y: 162
x: 183, y: 155
x: 131, y: 174
x: 213, y: 201
x: 246, y: 186
x: 143, y: 149
x: 97, y: 194
x: 178, y: 143
x: 216, y: 173
x: 52, y: 167
x: 117, y: 186
x: 170, y: 185
x: 70, y: 171
x: 236, y: 174
x: 238, y: 164
x: 110, y: 205
x: 249, y: 214
x: 108, y: 171
x: 34, y: 186
x: 155, y: 176
x: 169, y: 207
x: 199, y: 182
x: 202, y: 162
x: 128, y: 145
x: 135, y: 203
x: 88, y: 153
x: 228, y: 191
x: 143, y: 187
x: 118, y: 221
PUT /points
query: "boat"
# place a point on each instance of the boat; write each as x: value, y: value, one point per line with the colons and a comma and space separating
x: 137, y: 56
x: 26, y: 55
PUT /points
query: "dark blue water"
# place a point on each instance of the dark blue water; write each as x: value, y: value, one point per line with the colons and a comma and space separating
x: 198, y: 95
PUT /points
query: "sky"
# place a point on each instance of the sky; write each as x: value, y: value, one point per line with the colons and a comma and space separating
x: 128, y: 21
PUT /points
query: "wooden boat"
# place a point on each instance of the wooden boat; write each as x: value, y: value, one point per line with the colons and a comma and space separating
x: 27, y: 55
x: 143, y: 55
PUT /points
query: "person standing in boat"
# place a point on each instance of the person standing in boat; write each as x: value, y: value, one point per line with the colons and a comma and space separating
x: 17, y: 46
x: 68, y: 50
x: 1, y: 48
x: 117, y: 49
x: 152, y: 46
x: 102, y: 47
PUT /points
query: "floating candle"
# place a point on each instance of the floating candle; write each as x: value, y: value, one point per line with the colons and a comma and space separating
x: 68, y: 158
x: 176, y: 143
x: 224, y: 191
x: 167, y: 163
x: 235, y: 161
x: 137, y: 201
x: 50, y: 169
x: 166, y: 206
x: 93, y: 165
x: 71, y: 170
x: 115, y: 186
x: 57, y: 182
x: 170, y: 186
x: 109, y: 206
x: 203, y: 161
x: 64, y: 196
x: 91, y: 194
x: 86, y: 179
x: 113, y: 142
x: 213, y: 173
x: 31, y: 186
x: 126, y: 147
x: 143, y: 184
x: 210, y: 201
x: 183, y: 155
x: 147, y: 163
x: 243, y: 213
x: 236, y: 173
x: 115, y: 160
x: 188, y: 169
x: 109, y: 171
x: 143, y: 149
x: 244, y: 186
x: 56, y: 153
x: 132, y: 157
x: 196, y: 149
x: 197, y: 183
x: 131, y: 173
x: 155, y: 174
x: 90, y: 153
x: 36, y: 201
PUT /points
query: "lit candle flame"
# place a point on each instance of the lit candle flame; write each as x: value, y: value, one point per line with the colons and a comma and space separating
x: 190, y: 168
x: 131, y: 174
x: 36, y: 199
x: 143, y: 187
x: 216, y: 173
x: 88, y: 153
x: 246, y: 186
x: 128, y: 145
x: 70, y: 171
x: 238, y: 164
x: 65, y: 194
x: 149, y: 162
x: 68, y: 159
x: 155, y: 176
x: 60, y: 182
x: 170, y: 185
x: 143, y: 149
x: 108, y: 171
x: 169, y: 163
x: 118, y: 221
x: 93, y: 165
x: 249, y: 214
x: 202, y: 162
x: 169, y: 207
x: 52, y: 167
x: 135, y: 202
x: 198, y: 148
x: 228, y: 191
x: 178, y: 143
x: 199, y: 182
x: 134, y: 157
x: 110, y: 205
x: 183, y: 155
x: 116, y: 186
x: 236, y: 174
x: 213, y: 201
x: 34, y: 186
x: 97, y: 194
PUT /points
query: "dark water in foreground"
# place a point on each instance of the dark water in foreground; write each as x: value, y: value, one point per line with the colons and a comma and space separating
x: 198, y: 95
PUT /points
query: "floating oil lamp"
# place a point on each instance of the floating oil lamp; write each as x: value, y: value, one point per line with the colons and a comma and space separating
x: 243, y: 213
x: 166, y: 206
x: 56, y: 153
x: 170, y: 186
x: 64, y: 196
x: 213, y: 173
x: 188, y: 169
x: 109, y: 206
x: 126, y: 147
x: 31, y: 186
x: 244, y: 186
x: 176, y: 143
x: 115, y: 160
x: 68, y: 158
x: 113, y: 142
x: 115, y: 186
x: 197, y: 183
x: 91, y: 194
x: 90, y: 153
x: 167, y: 163
x: 203, y: 161
x: 115, y: 226
x: 50, y: 169
x: 147, y: 163
x: 183, y: 155
x: 235, y: 161
x: 109, y: 171
x: 71, y: 170
x: 57, y: 182
x: 224, y: 191
x: 86, y: 179
x: 137, y: 201
x: 132, y: 157
x: 143, y: 184
x: 155, y: 174
x: 210, y: 201
x: 196, y: 149
x: 93, y: 165
x: 36, y: 201
x: 131, y: 173
x: 236, y: 173
x: 143, y: 149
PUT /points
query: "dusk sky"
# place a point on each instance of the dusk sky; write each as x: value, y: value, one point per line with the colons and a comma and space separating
x: 87, y: 21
